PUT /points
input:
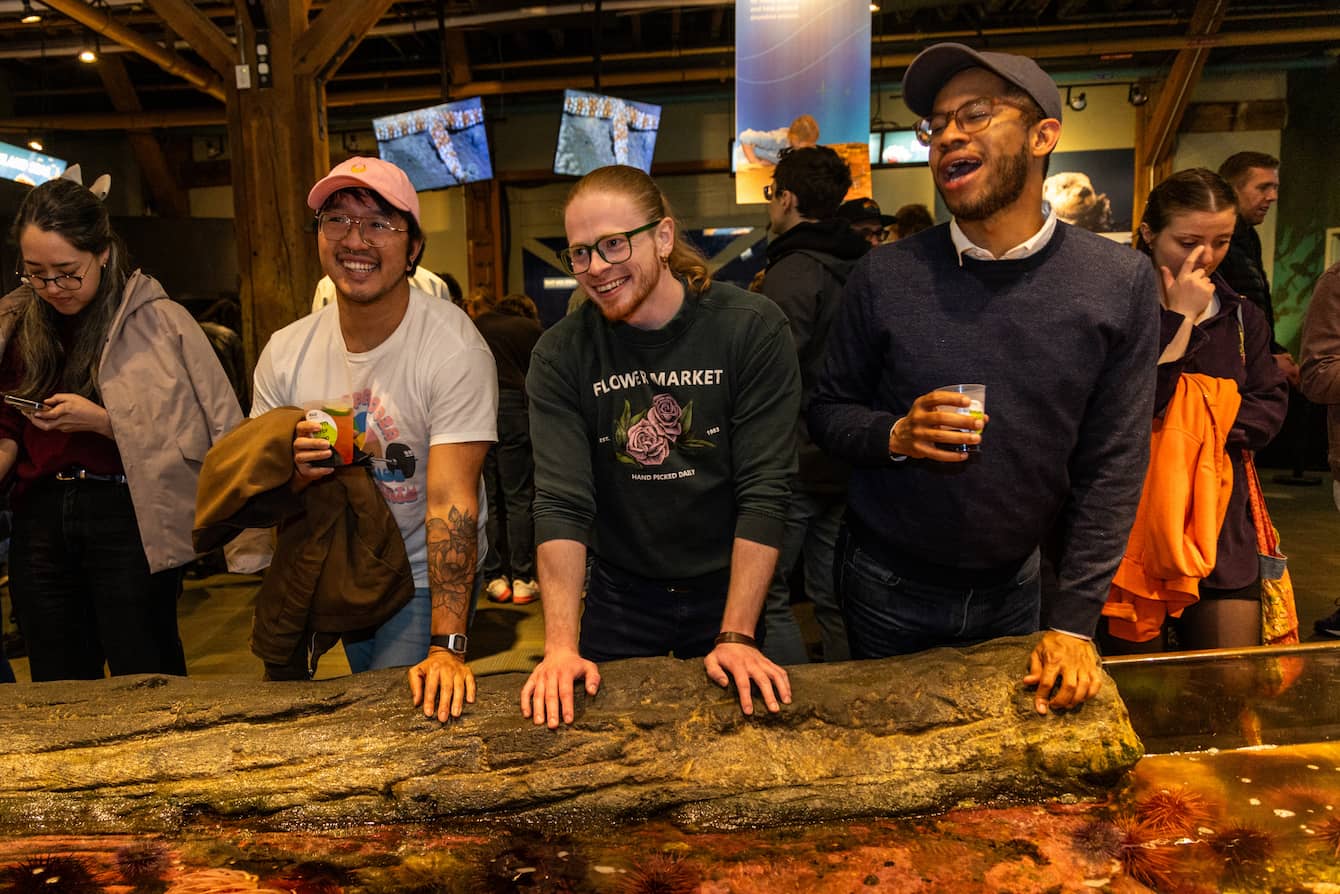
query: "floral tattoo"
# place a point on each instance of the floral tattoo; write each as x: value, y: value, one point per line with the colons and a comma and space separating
x: 453, y: 544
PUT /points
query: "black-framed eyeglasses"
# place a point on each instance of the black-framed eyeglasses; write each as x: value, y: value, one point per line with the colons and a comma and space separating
x: 973, y: 116
x: 374, y: 231
x: 613, y: 249
x: 66, y: 282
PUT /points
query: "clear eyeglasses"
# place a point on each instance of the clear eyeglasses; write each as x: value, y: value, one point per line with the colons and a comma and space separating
x: 373, y: 231
x: 971, y: 117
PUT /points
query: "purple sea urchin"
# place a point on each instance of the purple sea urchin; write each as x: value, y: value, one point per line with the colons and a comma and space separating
x: 1243, y: 848
x: 50, y: 875
x: 1099, y: 840
x: 142, y: 862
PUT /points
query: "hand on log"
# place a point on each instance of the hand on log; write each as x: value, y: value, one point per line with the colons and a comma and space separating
x: 547, y: 695
x: 1069, y: 661
x: 442, y: 683
x: 746, y: 665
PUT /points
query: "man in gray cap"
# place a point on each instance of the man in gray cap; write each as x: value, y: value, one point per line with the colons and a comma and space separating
x: 945, y: 515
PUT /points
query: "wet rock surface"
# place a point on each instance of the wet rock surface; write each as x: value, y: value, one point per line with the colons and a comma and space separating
x: 880, y: 738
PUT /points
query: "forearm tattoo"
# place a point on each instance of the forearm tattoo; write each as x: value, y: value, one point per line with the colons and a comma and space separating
x: 453, y: 544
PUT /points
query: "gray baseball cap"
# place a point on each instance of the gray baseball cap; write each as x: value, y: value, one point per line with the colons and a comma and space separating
x: 936, y: 64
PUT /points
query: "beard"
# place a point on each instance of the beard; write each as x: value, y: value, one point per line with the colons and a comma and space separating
x: 1006, y: 185
x: 643, y: 283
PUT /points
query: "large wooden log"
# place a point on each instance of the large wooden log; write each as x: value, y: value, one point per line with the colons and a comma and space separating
x: 904, y: 735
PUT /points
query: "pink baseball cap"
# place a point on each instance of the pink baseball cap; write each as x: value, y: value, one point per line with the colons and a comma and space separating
x: 382, y: 177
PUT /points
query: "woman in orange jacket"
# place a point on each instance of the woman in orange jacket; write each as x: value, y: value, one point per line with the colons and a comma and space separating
x: 1209, y: 329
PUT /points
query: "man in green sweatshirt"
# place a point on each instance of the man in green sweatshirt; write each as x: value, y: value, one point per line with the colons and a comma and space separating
x: 663, y: 413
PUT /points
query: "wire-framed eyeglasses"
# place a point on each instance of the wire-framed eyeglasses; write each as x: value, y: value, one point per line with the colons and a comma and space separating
x: 973, y: 116
x: 613, y: 249
x: 66, y: 282
x: 374, y: 231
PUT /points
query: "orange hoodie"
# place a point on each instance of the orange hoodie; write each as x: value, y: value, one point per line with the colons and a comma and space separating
x: 1174, y: 539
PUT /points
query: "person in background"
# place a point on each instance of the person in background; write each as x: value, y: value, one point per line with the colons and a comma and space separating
x: 814, y: 247
x: 418, y: 380
x: 668, y: 405
x: 945, y: 515
x: 454, y: 291
x: 511, y: 328
x: 910, y: 219
x: 1255, y: 178
x: 1320, y: 383
x: 1207, y: 328
x: 124, y: 396
x: 864, y: 217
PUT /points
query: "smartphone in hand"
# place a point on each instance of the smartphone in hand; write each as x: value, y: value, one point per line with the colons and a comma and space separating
x: 24, y: 403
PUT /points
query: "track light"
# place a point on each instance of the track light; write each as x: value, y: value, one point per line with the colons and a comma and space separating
x: 35, y: 144
x: 1078, y: 102
x: 89, y: 53
x: 30, y: 15
x: 1137, y: 96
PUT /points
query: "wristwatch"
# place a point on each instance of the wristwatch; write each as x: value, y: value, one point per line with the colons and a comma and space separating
x: 454, y: 643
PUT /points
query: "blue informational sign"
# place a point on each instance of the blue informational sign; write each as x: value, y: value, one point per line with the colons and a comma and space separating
x: 27, y: 166
x: 802, y: 77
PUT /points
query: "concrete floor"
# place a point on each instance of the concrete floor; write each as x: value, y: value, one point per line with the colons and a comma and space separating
x: 216, y: 611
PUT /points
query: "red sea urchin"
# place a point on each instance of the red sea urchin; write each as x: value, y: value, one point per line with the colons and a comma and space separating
x: 1328, y: 833
x: 661, y: 874
x: 1175, y: 811
x: 1142, y: 855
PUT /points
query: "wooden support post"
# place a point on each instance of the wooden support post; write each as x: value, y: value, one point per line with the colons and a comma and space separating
x: 483, y: 235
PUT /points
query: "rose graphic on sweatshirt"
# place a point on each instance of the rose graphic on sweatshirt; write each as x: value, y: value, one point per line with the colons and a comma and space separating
x: 645, y: 439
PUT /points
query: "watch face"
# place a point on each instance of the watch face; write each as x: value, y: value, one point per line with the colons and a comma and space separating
x: 453, y: 642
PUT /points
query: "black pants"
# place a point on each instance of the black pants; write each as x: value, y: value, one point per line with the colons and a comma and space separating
x: 509, y: 480
x: 82, y: 587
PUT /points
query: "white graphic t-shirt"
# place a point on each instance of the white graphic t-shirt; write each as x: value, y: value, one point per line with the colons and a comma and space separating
x: 432, y: 382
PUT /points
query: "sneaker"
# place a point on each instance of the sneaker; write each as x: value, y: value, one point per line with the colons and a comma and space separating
x: 1329, y: 625
x: 525, y: 591
x: 498, y: 590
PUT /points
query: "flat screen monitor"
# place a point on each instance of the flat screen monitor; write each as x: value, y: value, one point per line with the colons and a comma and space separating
x: 439, y: 146
x: 601, y: 130
x: 26, y: 166
x: 891, y: 148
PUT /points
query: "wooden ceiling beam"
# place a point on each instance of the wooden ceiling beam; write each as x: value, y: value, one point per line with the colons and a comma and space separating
x: 329, y: 40
x: 1161, y: 131
x: 102, y: 22
x: 458, y: 57
x: 170, y: 200
x: 193, y: 26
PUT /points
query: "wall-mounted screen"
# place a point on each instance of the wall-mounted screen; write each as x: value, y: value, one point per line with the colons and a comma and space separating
x: 897, y: 147
x: 601, y: 130
x: 439, y: 146
x: 27, y: 166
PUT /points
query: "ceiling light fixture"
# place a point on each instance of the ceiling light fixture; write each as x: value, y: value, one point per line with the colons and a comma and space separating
x: 1078, y: 102
x: 874, y: 7
x: 88, y: 54
x: 30, y: 15
x: 35, y: 144
x: 1137, y: 96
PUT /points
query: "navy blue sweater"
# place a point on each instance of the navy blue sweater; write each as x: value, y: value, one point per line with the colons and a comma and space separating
x: 1066, y: 342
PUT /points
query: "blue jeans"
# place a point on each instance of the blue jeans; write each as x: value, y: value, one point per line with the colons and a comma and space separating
x: 401, y: 641
x: 627, y: 616
x: 82, y: 588
x: 891, y: 615
x: 811, y: 531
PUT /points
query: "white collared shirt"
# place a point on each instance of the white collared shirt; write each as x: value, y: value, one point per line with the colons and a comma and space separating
x: 1030, y: 246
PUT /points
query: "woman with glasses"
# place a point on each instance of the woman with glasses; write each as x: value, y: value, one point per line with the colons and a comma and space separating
x: 123, y: 398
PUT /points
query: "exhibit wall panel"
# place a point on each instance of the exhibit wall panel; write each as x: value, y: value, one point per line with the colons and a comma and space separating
x: 443, y: 221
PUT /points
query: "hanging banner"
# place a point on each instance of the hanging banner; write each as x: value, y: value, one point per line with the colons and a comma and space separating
x: 802, y: 77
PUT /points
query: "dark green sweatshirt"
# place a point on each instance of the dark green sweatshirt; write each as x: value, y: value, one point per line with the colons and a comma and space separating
x: 657, y: 448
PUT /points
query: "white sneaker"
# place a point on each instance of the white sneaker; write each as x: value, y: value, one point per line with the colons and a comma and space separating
x: 524, y: 592
x: 498, y: 590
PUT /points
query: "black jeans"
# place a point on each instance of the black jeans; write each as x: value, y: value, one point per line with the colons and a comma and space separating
x: 627, y: 616
x: 509, y: 480
x: 82, y: 587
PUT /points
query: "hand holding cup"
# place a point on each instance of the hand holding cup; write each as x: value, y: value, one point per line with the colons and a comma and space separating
x: 941, y: 425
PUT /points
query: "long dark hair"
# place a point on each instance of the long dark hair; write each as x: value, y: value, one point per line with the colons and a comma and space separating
x: 79, y: 217
x: 1193, y: 189
x: 685, y: 259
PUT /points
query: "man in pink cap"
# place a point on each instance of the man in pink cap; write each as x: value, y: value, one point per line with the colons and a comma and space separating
x: 418, y: 382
